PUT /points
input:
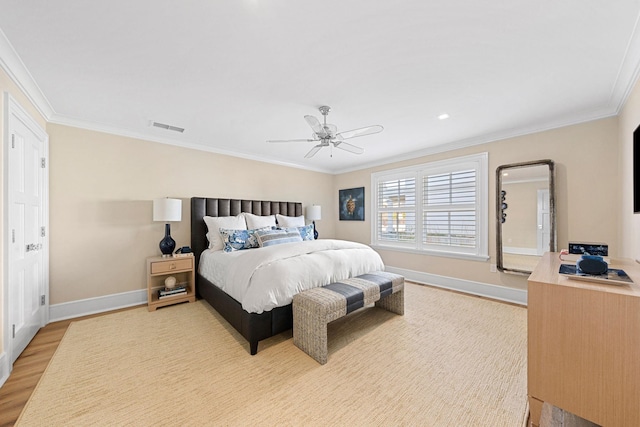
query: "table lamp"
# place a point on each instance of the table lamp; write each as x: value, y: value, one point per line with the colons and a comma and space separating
x: 314, y: 213
x: 167, y: 210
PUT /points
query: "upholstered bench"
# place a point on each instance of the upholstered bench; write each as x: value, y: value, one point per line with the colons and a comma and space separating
x: 313, y: 309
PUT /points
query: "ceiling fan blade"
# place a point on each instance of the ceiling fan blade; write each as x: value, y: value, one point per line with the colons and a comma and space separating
x: 348, y: 147
x: 291, y: 140
x: 361, y: 132
x: 313, y: 151
x: 314, y: 123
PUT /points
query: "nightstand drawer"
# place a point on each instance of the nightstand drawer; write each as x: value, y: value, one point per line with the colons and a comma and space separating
x: 171, y: 265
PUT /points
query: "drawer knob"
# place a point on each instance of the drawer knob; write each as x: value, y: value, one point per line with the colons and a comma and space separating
x: 172, y: 266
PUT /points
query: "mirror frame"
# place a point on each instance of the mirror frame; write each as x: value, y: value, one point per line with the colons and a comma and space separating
x: 552, y: 211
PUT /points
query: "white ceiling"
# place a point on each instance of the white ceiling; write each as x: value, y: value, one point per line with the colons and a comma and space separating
x: 235, y: 73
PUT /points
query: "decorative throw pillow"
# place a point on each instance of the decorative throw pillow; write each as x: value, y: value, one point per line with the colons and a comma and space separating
x: 290, y: 221
x: 214, y: 224
x: 306, y: 232
x: 277, y: 237
x: 236, y: 240
x: 259, y: 221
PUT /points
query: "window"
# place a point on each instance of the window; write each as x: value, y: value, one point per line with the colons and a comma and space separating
x: 439, y: 208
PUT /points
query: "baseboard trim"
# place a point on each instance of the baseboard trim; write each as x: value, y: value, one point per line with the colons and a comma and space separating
x: 84, y: 307
x: 73, y: 309
x: 5, y: 368
x: 520, y: 251
x: 502, y: 293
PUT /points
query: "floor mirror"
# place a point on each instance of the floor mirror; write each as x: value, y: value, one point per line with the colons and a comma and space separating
x: 525, y: 215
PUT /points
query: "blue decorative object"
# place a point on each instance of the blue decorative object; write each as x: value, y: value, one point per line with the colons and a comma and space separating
x: 167, y: 245
x: 236, y: 240
x: 351, y: 204
x: 592, y: 264
x: 308, y: 232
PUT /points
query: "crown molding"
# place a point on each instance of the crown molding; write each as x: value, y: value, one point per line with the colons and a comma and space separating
x: 570, y: 120
x: 11, y: 63
x: 629, y: 71
x: 112, y: 130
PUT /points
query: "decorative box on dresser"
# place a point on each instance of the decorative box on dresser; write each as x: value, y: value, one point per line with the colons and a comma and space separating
x: 159, y: 268
x: 584, y: 345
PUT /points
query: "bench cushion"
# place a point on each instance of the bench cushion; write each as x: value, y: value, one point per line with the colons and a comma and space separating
x: 340, y: 298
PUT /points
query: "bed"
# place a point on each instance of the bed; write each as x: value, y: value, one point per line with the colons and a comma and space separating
x: 252, y: 322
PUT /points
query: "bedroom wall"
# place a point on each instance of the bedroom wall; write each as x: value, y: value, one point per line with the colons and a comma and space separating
x: 630, y: 222
x: 587, y: 213
x: 8, y: 86
x: 102, y: 187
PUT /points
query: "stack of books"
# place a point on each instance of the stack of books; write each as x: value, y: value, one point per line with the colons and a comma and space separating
x: 183, y: 255
x: 172, y: 292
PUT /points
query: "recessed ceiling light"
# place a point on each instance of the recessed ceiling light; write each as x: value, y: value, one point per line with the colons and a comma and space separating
x: 443, y: 116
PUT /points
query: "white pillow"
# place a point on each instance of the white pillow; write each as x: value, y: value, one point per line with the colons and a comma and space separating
x: 259, y: 221
x: 215, y: 223
x: 290, y: 221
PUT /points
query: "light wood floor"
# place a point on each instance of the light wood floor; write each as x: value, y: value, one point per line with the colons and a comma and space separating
x: 29, y: 367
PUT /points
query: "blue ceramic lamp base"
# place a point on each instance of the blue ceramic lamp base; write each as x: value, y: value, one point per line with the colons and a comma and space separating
x: 167, y: 245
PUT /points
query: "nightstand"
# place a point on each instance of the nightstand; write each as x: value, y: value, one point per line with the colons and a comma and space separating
x: 159, y: 268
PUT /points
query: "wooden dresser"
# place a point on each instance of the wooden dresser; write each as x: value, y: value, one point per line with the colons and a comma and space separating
x: 584, y: 345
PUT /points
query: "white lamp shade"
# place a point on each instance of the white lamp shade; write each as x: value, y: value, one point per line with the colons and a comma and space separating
x: 167, y: 209
x: 314, y: 212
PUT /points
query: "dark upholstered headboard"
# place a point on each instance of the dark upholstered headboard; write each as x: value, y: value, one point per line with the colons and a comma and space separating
x: 201, y: 207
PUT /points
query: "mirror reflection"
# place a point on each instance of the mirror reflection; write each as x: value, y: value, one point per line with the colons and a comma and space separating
x: 525, y: 209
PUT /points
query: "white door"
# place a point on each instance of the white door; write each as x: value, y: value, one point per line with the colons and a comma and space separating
x: 26, y: 180
x: 544, y: 225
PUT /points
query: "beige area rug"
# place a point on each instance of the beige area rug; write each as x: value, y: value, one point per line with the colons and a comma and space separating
x: 451, y: 360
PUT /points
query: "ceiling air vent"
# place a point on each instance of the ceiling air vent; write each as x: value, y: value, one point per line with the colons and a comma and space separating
x: 167, y: 127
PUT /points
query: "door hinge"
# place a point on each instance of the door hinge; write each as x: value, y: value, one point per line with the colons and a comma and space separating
x: 13, y: 140
x: 13, y: 236
x: 43, y: 163
x: 14, y: 331
x: 43, y: 232
x: 42, y: 299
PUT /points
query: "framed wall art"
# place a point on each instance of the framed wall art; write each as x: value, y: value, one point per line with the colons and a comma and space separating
x: 351, y: 203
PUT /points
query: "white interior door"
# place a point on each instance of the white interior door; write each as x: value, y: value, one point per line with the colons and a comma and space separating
x: 26, y: 180
x: 544, y: 224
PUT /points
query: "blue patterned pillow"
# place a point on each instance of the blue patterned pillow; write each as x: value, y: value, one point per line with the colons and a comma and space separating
x: 306, y: 232
x: 236, y: 240
x: 278, y: 236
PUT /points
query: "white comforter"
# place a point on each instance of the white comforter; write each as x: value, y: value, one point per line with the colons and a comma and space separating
x: 264, y: 278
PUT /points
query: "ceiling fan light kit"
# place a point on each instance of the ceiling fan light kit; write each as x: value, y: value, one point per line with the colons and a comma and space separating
x: 327, y: 135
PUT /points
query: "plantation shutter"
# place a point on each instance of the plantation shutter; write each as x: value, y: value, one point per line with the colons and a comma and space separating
x: 396, y: 206
x: 449, y: 209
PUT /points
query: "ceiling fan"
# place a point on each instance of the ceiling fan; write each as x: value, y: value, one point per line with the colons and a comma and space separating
x: 327, y: 135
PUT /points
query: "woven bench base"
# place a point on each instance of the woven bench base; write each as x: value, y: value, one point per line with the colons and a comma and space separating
x: 315, y: 308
